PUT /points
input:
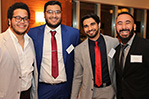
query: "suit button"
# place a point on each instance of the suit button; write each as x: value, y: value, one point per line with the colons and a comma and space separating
x: 18, y: 92
x: 91, y: 89
x: 19, y: 77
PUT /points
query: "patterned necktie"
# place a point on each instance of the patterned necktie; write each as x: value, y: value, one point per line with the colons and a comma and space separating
x: 54, y: 55
x: 98, y: 69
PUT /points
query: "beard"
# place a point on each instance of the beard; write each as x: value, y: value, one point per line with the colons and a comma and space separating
x: 93, y: 31
x: 125, y: 40
x: 17, y: 32
x: 53, y: 26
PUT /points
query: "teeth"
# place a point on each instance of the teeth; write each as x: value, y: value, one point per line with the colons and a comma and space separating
x: 53, y: 19
x: 124, y: 31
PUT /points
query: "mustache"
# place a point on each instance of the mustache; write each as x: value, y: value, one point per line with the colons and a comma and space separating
x: 124, y: 30
x: 91, y: 30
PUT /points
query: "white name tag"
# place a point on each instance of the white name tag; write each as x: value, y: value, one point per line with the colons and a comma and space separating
x: 70, y: 49
x: 136, y: 59
x: 112, y: 52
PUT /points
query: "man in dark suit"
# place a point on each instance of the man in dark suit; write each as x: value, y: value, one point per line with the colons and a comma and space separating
x: 54, y: 84
x: 132, y: 73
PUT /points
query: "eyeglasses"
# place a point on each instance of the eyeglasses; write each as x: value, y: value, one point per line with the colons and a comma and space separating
x: 51, y: 12
x: 19, y: 19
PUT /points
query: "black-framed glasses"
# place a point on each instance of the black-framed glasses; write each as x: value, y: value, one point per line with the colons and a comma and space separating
x: 19, y: 19
x: 51, y: 11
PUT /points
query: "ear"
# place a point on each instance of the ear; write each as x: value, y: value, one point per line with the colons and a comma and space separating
x: 44, y: 14
x: 9, y: 21
x: 115, y: 29
x: 99, y: 25
x: 134, y: 27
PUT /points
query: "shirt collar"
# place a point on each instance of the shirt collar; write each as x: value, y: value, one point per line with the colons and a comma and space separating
x: 56, y: 29
x: 26, y: 37
x: 130, y: 41
x: 98, y: 40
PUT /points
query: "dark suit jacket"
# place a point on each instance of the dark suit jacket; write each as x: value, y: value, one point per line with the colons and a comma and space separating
x: 133, y: 81
x: 69, y: 36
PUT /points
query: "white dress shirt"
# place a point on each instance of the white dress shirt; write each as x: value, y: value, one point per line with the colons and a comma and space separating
x: 26, y: 57
x: 46, y: 63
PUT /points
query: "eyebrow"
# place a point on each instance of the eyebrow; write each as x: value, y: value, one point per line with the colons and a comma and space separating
x: 89, y: 24
x: 125, y: 21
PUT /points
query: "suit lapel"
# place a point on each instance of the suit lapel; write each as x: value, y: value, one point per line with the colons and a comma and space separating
x: 107, y: 50
x: 118, y: 67
x: 86, y: 54
x: 39, y: 45
x: 65, y: 42
x: 11, y: 49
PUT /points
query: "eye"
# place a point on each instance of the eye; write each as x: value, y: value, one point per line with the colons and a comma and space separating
x: 49, y: 11
x: 93, y: 24
x: 119, y: 23
x: 128, y: 22
x: 57, y: 12
x: 85, y: 26
x: 18, y: 18
x: 26, y: 19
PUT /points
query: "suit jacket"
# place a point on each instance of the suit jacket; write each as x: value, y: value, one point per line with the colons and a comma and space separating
x: 83, y: 82
x: 69, y: 36
x: 133, y: 81
x: 10, y: 71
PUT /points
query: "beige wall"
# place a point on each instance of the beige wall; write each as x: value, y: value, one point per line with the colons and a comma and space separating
x: 144, y: 4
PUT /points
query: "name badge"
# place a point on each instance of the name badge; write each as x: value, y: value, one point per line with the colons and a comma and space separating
x: 136, y: 59
x: 111, y: 53
x: 70, y: 49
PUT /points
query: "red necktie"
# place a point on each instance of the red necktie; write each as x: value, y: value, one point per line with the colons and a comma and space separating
x: 98, y: 70
x: 54, y: 55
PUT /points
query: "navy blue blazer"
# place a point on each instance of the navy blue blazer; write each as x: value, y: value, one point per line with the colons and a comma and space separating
x: 69, y: 36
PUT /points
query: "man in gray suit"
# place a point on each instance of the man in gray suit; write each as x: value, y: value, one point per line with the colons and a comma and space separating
x: 18, y: 71
x: 86, y: 59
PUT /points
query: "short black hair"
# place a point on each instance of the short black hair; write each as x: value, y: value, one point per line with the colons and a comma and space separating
x: 91, y: 15
x: 52, y: 3
x: 18, y: 5
x: 127, y: 14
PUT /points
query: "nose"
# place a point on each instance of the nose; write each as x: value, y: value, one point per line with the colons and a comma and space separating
x: 22, y: 21
x: 53, y: 14
x: 123, y: 25
x: 89, y: 27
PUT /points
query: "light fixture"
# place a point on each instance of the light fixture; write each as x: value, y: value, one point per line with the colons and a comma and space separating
x: 39, y: 17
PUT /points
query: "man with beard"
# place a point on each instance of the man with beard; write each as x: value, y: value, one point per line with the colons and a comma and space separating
x: 18, y: 71
x: 92, y: 57
x: 132, y: 60
x: 54, y: 50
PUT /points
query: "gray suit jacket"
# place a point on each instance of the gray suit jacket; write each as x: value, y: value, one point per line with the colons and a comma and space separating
x: 83, y: 82
x: 10, y: 71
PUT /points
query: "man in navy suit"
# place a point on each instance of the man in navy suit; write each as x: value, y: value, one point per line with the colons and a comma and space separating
x: 67, y: 38
x: 132, y: 74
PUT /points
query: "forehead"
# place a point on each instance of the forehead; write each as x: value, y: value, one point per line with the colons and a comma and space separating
x: 53, y: 7
x: 124, y: 17
x: 88, y: 21
x: 20, y: 12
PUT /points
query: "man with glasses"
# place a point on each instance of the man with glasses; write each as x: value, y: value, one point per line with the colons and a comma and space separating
x: 18, y: 71
x: 54, y: 44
